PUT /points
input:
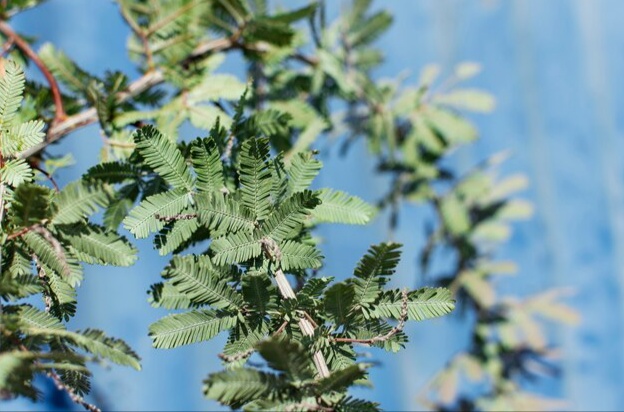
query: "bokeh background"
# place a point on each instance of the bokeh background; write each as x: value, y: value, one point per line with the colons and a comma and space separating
x: 556, y: 69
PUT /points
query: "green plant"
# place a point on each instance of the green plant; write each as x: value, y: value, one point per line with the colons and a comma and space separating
x: 236, y: 210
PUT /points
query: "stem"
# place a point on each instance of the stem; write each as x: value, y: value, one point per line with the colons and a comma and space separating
x: 59, y: 114
x: 145, y: 82
x: 60, y: 385
x: 306, y: 327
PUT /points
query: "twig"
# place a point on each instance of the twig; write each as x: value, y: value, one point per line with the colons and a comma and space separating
x: 271, y: 249
x: 145, y: 82
x: 237, y: 356
x: 43, y: 278
x: 56, y: 245
x: 59, y: 114
x: 22, y: 231
x: 382, y: 338
x: 60, y: 385
x: 187, y: 216
x: 46, y: 174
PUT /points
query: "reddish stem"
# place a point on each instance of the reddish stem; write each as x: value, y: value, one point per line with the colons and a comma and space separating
x: 59, y: 114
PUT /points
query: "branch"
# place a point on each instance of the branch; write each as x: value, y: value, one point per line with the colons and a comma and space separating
x: 272, y: 250
x: 382, y: 338
x: 60, y: 385
x: 145, y: 82
x: 59, y: 114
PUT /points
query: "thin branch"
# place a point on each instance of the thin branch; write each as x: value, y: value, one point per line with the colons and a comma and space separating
x: 43, y: 278
x: 236, y: 356
x: 187, y: 216
x: 60, y: 385
x: 382, y: 338
x: 271, y: 249
x: 46, y: 174
x: 56, y: 245
x: 59, y: 114
x: 147, y: 81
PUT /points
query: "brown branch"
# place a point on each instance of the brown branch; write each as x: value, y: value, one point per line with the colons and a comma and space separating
x: 60, y: 385
x: 43, y: 278
x: 46, y: 174
x: 56, y: 245
x: 59, y: 114
x: 382, y: 338
x: 148, y: 80
x: 237, y: 356
x: 187, y: 216
x: 22, y: 232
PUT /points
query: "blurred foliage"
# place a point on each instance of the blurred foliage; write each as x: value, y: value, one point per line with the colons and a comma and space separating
x: 241, y: 195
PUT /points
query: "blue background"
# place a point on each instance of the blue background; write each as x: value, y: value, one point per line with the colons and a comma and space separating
x: 556, y: 69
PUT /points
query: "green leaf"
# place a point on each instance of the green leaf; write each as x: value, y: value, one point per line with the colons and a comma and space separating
x: 202, y: 283
x: 297, y: 255
x: 255, y: 177
x: 302, y: 171
x: 175, y: 235
x: 339, y: 207
x: 30, y: 317
x: 189, y: 327
x: 95, y: 342
x: 223, y: 214
x: 287, y: 356
x: 165, y: 295
x: 15, y: 172
x: 425, y: 303
x: 93, y: 244
x: 31, y: 205
x: 112, y: 172
x: 259, y: 293
x: 11, y: 89
x: 143, y: 219
x: 373, y: 270
x: 341, y: 379
x: 164, y: 157
x: 338, y: 301
x: 453, y: 128
x: 455, y: 215
x: 236, y: 387
x: 57, y: 260
x: 77, y: 201
x: 467, y: 99
x: 65, y: 70
x: 207, y: 164
x: 235, y: 248
x: 285, y: 222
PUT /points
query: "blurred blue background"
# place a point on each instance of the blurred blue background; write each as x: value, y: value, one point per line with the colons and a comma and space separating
x: 556, y: 68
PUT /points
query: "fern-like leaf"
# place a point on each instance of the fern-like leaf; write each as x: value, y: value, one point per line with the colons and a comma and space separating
x: 371, y: 273
x: 255, y: 177
x: 144, y: 219
x: 202, y: 283
x: 207, y: 165
x: 238, y: 386
x: 164, y: 157
x: 286, y: 221
x: 223, y: 214
x: 302, y: 171
x: 77, y: 201
x: 425, y: 303
x: 11, y: 88
x: 235, y: 248
x: 174, y: 235
x: 189, y: 327
x: 339, y: 207
x: 297, y: 255
x: 95, y: 245
x: 15, y: 172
